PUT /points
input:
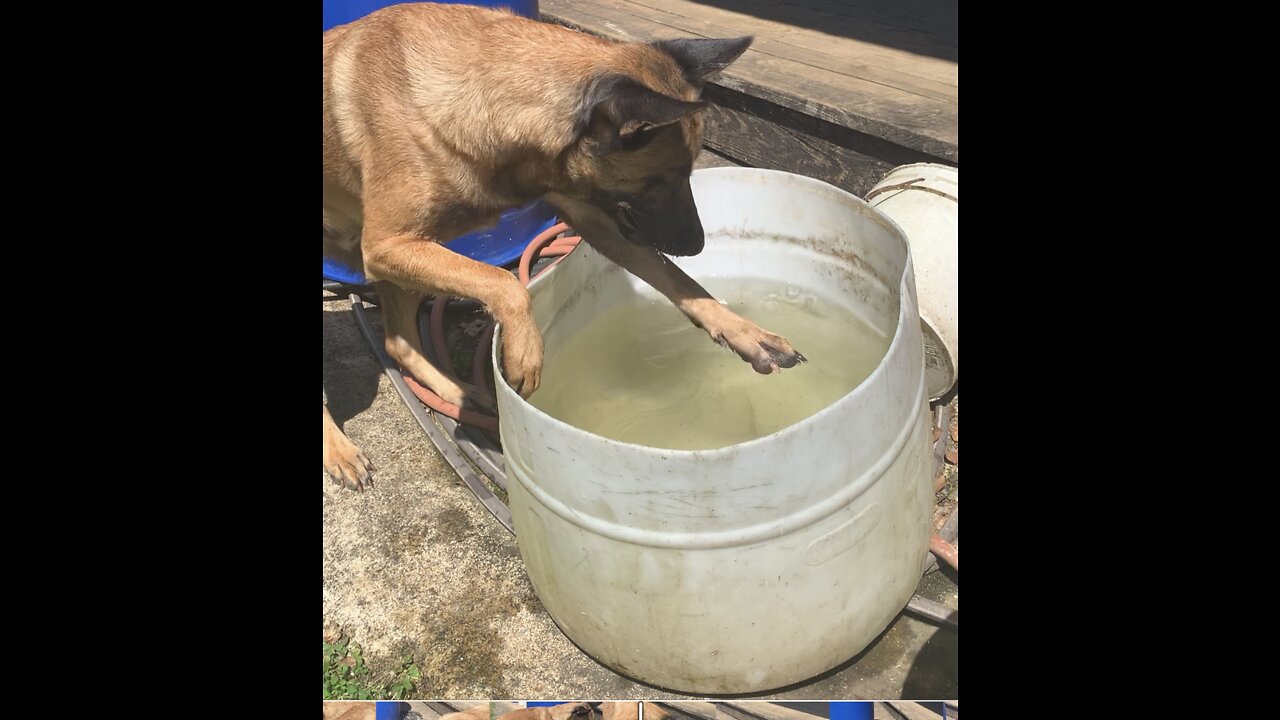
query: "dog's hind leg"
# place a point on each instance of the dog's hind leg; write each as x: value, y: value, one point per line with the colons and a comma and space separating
x: 404, y: 344
x: 343, y: 460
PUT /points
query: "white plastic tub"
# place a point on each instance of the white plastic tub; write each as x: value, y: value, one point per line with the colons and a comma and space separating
x: 761, y: 564
x: 924, y: 200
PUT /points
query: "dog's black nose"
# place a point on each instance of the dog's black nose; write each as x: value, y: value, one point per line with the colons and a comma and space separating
x: 684, y: 243
x: 697, y: 242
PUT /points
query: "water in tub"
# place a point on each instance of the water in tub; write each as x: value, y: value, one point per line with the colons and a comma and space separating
x: 640, y: 372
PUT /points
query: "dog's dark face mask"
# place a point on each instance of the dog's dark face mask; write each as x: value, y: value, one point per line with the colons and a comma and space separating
x: 666, y: 218
x: 576, y: 711
x: 639, y: 144
x: 661, y: 211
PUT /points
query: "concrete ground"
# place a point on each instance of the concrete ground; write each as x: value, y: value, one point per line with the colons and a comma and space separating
x: 417, y: 567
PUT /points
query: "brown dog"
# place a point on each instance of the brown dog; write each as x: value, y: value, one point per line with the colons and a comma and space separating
x: 564, y: 711
x: 621, y: 710
x: 438, y: 117
x: 350, y: 710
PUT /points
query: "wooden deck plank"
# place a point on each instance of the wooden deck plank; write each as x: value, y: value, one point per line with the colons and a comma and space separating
x: 854, y: 58
x: 764, y: 144
x: 709, y: 159
x: 426, y: 711
x: 912, y: 711
x: 763, y: 711
x: 432, y: 710
x: 440, y: 708
x: 903, y: 117
x: 927, y: 28
x: 695, y: 710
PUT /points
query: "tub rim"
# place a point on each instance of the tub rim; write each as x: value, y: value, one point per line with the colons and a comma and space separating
x: 502, y: 387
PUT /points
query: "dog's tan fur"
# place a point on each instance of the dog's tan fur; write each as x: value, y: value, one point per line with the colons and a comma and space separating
x: 564, y: 711
x: 438, y: 117
x: 620, y: 710
x: 653, y: 712
x: 350, y: 711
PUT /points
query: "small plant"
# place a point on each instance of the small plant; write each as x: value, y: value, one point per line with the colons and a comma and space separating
x: 346, y: 677
x: 345, y: 674
x: 406, y: 677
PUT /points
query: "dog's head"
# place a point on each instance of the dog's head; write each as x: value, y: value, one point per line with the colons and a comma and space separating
x: 637, y: 131
x: 574, y: 711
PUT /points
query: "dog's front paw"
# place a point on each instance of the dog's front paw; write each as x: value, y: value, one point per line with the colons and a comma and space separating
x: 522, y: 356
x: 346, y: 465
x: 766, y: 351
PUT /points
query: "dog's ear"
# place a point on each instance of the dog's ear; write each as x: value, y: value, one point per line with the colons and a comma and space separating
x: 617, y: 109
x: 700, y: 57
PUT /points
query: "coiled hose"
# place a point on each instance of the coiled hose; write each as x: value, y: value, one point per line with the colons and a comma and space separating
x: 545, y: 244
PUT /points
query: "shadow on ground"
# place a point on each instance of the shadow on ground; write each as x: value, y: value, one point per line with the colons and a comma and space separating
x: 350, y: 381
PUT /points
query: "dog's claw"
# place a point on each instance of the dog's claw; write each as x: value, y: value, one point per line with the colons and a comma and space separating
x: 351, y: 470
x: 782, y: 358
x: 522, y: 356
x: 772, y: 355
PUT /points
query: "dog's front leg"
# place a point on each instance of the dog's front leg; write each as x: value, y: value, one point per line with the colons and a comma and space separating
x: 343, y: 460
x: 764, y: 350
x: 420, y: 264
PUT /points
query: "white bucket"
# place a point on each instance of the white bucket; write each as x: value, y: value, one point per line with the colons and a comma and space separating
x: 924, y: 199
x: 761, y: 564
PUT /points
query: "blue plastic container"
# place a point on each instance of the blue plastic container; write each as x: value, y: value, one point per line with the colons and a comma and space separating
x: 505, y: 241
x: 498, y: 245
x: 388, y: 710
x: 337, y: 12
x: 851, y: 710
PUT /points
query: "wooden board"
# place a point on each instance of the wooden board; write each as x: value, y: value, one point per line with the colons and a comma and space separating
x: 901, y: 97
x: 763, y: 711
x: 926, y: 28
x: 709, y: 159
x: 760, y: 143
x: 911, y: 711
x: 436, y: 709
x: 690, y: 710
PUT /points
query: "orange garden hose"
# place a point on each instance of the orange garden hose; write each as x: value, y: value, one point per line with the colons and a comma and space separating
x: 448, y: 409
x: 944, y: 551
x: 545, y: 244
x: 545, y: 238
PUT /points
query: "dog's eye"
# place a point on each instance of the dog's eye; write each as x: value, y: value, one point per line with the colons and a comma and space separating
x: 625, y: 218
